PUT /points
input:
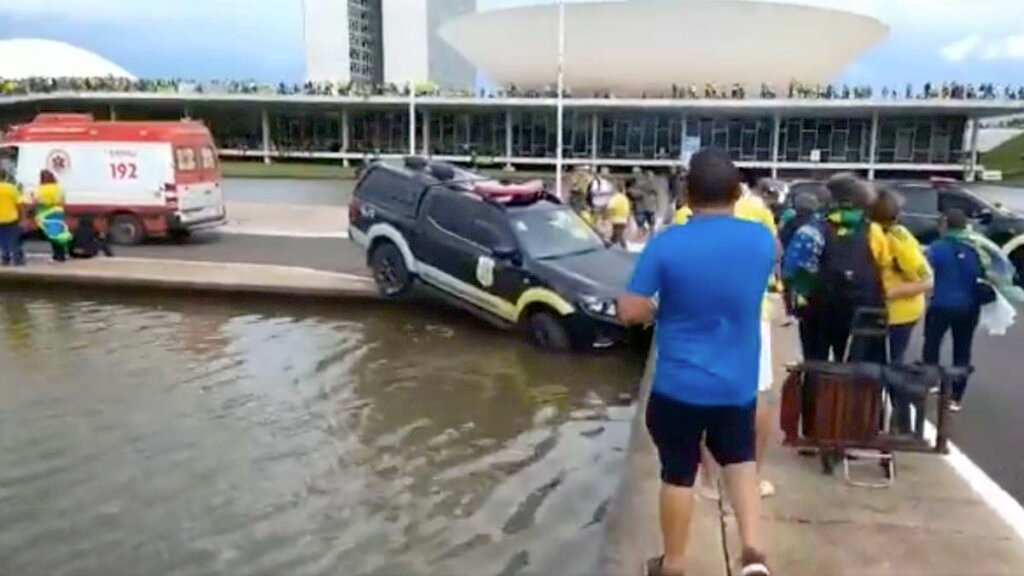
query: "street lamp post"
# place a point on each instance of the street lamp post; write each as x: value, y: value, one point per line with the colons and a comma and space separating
x: 559, y: 108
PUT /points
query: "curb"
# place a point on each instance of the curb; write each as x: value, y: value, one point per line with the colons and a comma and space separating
x: 194, y: 277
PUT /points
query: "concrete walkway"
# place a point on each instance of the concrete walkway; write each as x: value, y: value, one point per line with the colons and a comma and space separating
x: 190, y: 275
x: 930, y: 522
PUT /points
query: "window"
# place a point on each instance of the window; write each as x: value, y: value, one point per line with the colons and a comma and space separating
x: 554, y: 233
x: 208, y: 157
x: 185, y: 159
x: 390, y: 191
x: 953, y: 200
x: 920, y: 199
x: 452, y: 213
x: 489, y: 228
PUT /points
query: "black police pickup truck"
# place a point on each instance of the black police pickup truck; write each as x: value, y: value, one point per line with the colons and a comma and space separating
x: 509, y: 253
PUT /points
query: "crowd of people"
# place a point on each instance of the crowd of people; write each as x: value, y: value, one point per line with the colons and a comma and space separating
x: 46, y: 205
x: 838, y: 252
x: 736, y: 91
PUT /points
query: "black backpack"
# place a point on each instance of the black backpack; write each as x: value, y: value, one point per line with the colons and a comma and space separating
x: 848, y: 275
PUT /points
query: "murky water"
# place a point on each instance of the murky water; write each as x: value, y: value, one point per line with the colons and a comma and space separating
x: 210, y: 438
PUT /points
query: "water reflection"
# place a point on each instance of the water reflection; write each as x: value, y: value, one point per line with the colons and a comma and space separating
x: 207, y: 438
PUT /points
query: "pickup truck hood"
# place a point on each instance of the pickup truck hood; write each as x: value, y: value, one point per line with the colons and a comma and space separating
x: 602, y: 273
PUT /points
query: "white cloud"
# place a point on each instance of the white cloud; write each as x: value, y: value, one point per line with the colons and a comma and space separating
x: 961, y: 49
x: 974, y: 47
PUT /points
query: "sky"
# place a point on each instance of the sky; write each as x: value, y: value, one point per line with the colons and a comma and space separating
x: 930, y: 40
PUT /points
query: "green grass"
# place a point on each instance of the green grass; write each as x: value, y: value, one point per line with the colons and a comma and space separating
x: 291, y: 170
x: 1009, y: 158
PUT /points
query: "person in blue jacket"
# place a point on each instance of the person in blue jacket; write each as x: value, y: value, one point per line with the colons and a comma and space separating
x: 959, y: 293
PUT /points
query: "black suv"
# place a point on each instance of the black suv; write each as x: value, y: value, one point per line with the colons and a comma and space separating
x: 927, y: 200
x: 509, y: 253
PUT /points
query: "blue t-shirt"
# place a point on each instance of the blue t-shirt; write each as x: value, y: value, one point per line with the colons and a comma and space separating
x: 957, y: 269
x: 709, y: 277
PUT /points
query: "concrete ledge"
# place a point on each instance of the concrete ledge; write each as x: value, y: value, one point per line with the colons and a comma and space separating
x: 179, y: 275
x: 930, y: 522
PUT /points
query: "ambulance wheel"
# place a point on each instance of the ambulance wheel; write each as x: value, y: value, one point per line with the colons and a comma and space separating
x: 127, y: 230
x: 548, y: 332
x: 389, y: 270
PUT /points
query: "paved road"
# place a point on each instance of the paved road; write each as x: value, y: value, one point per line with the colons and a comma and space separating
x: 991, y: 427
x: 989, y: 430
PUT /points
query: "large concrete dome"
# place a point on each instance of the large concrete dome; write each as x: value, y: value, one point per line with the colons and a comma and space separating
x: 34, y: 57
x: 629, y: 47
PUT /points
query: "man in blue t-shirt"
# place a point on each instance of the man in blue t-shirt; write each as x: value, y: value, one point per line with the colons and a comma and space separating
x: 708, y: 279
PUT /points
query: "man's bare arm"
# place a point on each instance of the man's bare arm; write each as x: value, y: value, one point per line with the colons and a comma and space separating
x: 635, y: 309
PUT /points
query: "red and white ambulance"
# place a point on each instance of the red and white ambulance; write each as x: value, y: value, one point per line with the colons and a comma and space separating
x: 137, y: 179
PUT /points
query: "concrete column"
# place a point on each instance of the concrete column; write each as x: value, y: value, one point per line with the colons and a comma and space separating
x: 873, y: 147
x: 972, y: 153
x: 508, y: 138
x: 265, y: 126
x: 412, y: 121
x: 776, y: 133
x: 594, y: 124
x: 112, y: 112
x: 344, y: 136
x: 425, y: 133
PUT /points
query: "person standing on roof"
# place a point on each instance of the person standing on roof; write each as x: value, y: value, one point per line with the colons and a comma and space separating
x: 50, y: 215
x: 708, y: 345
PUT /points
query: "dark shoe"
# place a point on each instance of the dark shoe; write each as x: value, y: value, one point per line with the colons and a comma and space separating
x: 653, y: 567
x: 754, y: 564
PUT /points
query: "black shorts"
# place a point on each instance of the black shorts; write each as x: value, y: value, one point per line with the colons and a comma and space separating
x: 644, y: 218
x: 677, y: 429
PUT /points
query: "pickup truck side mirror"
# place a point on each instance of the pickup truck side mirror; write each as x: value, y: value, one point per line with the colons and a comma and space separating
x: 984, y: 216
x: 507, y: 253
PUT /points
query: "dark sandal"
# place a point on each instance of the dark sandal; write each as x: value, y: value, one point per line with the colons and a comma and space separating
x: 653, y: 567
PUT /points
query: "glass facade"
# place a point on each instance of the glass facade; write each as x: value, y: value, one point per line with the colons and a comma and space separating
x: 825, y: 140
x: 531, y: 132
x: 466, y: 133
x: 920, y: 140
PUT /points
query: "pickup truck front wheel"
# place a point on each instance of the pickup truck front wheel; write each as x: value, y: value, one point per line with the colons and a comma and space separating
x: 389, y: 271
x: 548, y: 332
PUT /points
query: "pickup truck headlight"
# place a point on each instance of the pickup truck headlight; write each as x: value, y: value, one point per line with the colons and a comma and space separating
x: 599, y: 306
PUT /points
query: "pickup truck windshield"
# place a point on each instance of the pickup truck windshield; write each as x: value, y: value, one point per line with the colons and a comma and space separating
x: 554, y: 233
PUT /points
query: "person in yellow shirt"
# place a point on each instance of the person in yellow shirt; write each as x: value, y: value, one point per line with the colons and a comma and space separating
x: 10, y: 224
x: 50, y: 215
x: 907, y: 277
x: 618, y: 213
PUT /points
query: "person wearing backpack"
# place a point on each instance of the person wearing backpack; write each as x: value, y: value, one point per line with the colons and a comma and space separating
x: 955, y: 305
x: 833, y: 266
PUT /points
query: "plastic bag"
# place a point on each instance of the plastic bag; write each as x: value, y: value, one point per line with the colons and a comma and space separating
x: 998, y: 316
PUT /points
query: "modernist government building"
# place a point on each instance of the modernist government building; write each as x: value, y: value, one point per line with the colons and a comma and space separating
x: 648, y: 81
